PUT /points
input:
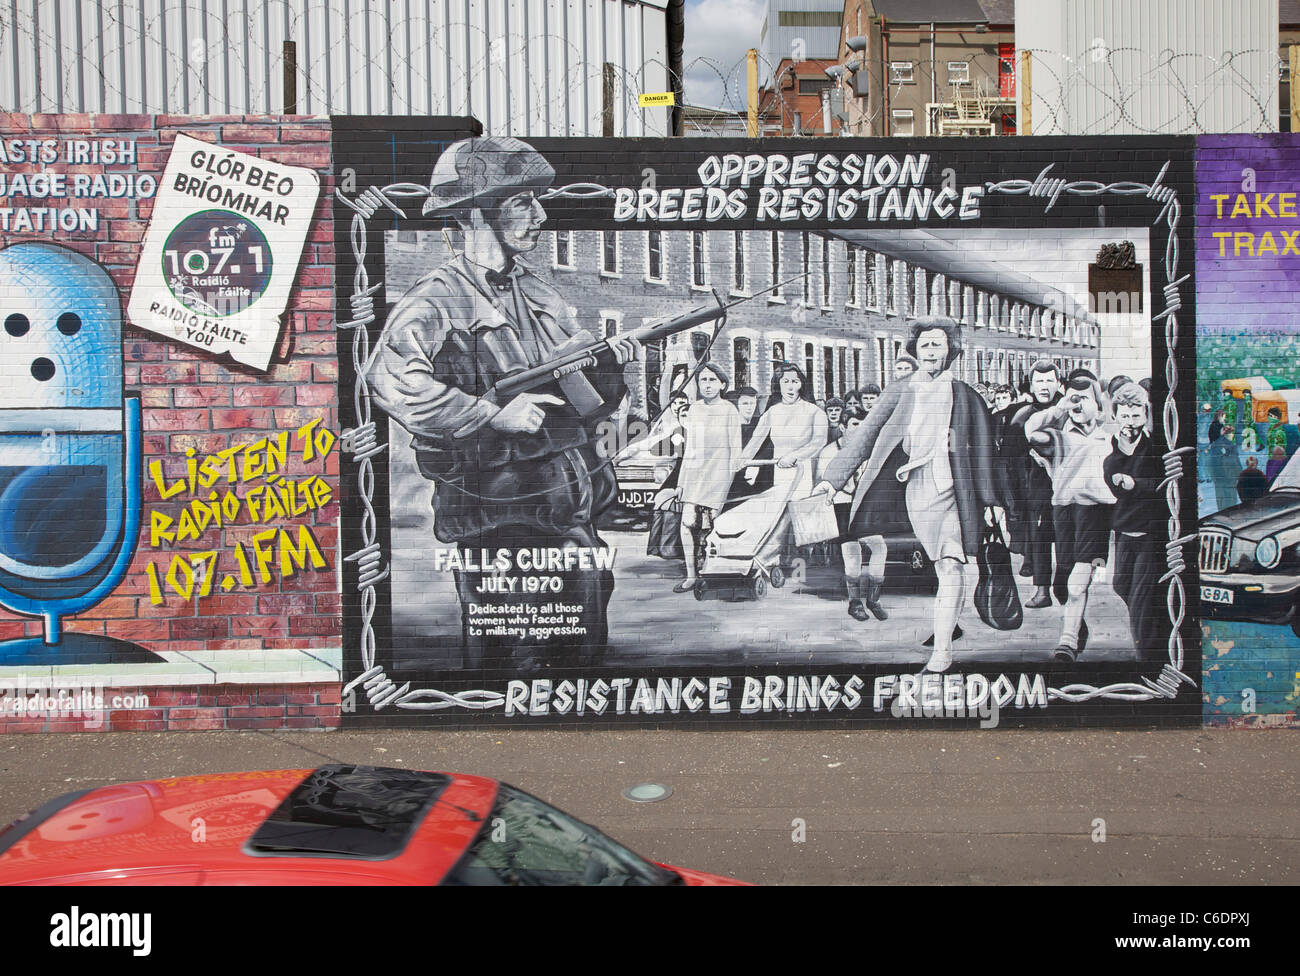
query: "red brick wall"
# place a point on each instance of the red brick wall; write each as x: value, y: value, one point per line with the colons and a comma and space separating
x: 190, y: 400
x: 208, y: 707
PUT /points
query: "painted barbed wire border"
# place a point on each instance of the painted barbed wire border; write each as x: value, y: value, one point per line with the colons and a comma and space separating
x: 361, y: 441
x: 1171, y: 677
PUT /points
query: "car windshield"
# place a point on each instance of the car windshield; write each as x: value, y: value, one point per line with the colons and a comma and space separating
x: 527, y: 842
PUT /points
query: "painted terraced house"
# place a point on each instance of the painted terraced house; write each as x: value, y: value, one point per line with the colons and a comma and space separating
x: 844, y: 324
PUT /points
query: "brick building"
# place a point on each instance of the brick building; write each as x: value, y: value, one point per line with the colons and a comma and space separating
x: 926, y: 63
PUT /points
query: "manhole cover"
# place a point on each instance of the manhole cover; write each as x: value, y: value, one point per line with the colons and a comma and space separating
x: 647, y: 792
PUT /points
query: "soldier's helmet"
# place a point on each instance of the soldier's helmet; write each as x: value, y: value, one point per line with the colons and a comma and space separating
x: 483, y: 172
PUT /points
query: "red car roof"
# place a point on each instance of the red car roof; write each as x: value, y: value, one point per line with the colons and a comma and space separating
x: 193, y: 830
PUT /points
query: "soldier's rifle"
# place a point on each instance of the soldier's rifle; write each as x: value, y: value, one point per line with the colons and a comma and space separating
x: 566, y: 370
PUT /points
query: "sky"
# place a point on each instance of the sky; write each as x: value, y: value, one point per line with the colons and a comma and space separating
x: 718, y: 33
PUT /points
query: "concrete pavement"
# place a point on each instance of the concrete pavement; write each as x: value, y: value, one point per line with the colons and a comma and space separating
x: 882, y: 807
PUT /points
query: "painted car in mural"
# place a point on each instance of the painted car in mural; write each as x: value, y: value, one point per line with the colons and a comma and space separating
x: 1250, y: 556
x: 335, y: 825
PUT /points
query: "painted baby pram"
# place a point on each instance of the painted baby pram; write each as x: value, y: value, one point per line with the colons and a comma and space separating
x: 742, y: 553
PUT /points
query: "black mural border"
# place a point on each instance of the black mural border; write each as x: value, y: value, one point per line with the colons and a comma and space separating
x: 404, y: 149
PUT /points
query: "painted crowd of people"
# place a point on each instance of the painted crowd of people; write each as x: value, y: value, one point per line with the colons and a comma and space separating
x: 1236, y: 444
x: 1064, y: 465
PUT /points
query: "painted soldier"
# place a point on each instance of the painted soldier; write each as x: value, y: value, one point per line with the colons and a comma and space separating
x: 522, y: 474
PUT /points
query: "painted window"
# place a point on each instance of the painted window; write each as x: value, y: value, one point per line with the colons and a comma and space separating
x: 851, y: 274
x: 564, y: 249
x: 826, y: 272
x: 807, y: 277
x: 738, y: 276
x: 699, y: 277
x: 741, y: 374
x: 654, y: 255
x: 871, y: 272
x: 775, y: 264
x: 609, y: 252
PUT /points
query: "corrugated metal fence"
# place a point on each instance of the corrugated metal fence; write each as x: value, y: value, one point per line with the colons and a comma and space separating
x: 1168, y: 66
x: 523, y: 67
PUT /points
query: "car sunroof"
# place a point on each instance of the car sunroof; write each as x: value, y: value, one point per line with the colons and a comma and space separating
x: 365, y: 812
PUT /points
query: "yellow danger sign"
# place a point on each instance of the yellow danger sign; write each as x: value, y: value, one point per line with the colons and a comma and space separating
x: 657, y: 98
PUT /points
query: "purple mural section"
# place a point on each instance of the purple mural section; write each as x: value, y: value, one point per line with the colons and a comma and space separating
x: 1248, y: 371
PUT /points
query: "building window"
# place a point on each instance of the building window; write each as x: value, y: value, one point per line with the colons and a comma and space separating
x: 814, y: 86
x: 844, y: 368
x: 807, y: 277
x: 809, y: 18
x: 775, y: 294
x: 938, y: 304
x: 738, y: 277
x: 882, y: 348
x: 698, y: 277
x: 778, y: 353
x: 740, y: 363
x: 609, y: 326
x: 857, y: 368
x: 967, y: 300
x: 901, y: 73
x: 902, y: 122
x: 564, y: 249
x: 979, y: 309
x: 809, y: 362
x: 654, y: 255
x: 954, y: 300
x: 870, y: 269
x: 828, y: 371
x: 891, y: 286
x: 609, y: 252
x: 826, y: 272
x: 851, y: 274
x: 919, y: 304
x: 959, y: 72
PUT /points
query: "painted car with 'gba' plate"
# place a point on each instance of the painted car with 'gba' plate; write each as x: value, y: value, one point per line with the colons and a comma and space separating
x: 1249, y: 556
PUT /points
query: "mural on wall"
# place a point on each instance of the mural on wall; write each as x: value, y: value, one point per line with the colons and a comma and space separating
x: 1248, y: 250
x: 167, y: 489
x: 863, y: 434
x: 70, y: 448
x: 222, y: 250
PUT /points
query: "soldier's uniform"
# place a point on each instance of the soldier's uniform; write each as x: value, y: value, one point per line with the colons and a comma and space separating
x: 446, y: 342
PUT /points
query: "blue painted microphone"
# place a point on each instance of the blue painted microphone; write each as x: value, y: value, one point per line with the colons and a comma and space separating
x: 70, y: 441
